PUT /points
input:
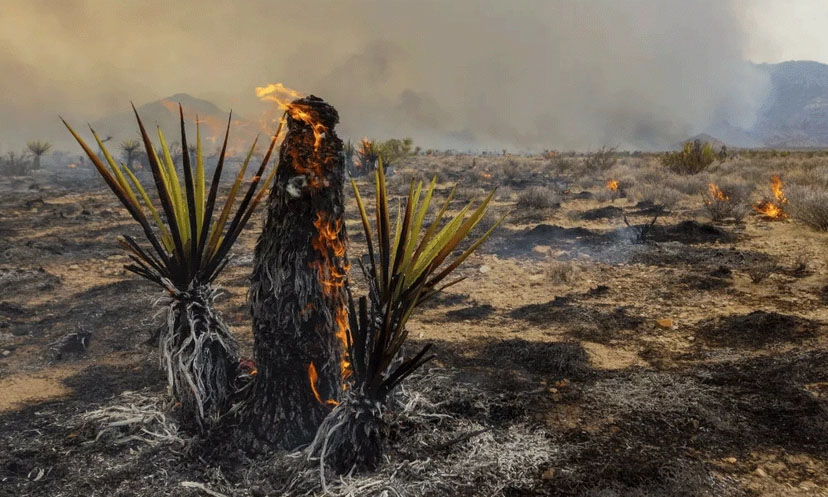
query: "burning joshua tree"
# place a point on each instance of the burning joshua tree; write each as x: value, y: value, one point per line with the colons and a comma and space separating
x: 187, y: 252
x: 320, y: 355
x: 298, y: 290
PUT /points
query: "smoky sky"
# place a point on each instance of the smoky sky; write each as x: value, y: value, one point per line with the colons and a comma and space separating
x: 451, y: 74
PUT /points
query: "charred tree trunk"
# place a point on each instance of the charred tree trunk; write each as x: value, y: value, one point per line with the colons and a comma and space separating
x: 297, y: 293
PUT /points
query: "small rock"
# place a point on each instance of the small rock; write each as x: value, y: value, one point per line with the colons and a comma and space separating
x: 760, y: 472
x: 485, y: 269
x: 730, y: 460
x: 542, y: 249
x: 6, y: 353
x: 548, y: 474
x: 665, y: 323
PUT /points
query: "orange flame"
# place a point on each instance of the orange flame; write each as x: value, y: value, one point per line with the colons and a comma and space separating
x: 778, y: 194
x: 612, y: 185
x: 313, y: 377
x: 716, y: 194
x: 772, y: 209
x: 328, y: 241
x: 277, y: 92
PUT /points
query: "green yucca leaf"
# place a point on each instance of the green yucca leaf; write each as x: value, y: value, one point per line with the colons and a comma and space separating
x: 405, y: 268
x: 189, y: 188
x: 133, y: 210
x: 163, y: 189
x: 218, y: 227
x: 115, y: 169
x: 178, y: 200
x: 182, y: 257
x: 211, y: 198
x: 199, y: 183
x: 246, y: 207
x: 165, y: 234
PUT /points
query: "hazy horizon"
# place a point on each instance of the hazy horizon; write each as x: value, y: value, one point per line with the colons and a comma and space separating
x: 561, y: 74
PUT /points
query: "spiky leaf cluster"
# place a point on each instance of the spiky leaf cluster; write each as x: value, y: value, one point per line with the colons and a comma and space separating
x: 407, y: 264
x: 188, y: 247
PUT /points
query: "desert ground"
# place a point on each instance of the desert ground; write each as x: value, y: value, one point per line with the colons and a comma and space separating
x: 581, y: 354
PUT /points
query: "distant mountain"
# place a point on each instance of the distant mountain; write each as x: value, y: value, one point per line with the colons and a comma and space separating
x: 164, y: 113
x: 795, y: 113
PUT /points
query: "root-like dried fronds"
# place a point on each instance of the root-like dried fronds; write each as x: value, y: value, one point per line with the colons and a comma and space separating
x: 200, y: 357
x: 136, y: 417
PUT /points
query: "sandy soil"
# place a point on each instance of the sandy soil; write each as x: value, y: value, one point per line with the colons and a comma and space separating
x: 690, y: 365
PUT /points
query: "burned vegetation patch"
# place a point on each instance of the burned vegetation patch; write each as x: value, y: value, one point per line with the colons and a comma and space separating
x: 17, y: 281
x: 645, y: 428
x: 606, y: 212
x: 758, y: 329
x: 521, y: 243
x: 777, y: 401
x: 691, y: 232
x: 474, y: 311
x: 700, y: 258
x: 595, y: 322
x: 556, y: 360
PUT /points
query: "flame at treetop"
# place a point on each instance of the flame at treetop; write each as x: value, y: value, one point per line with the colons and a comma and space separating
x: 277, y: 92
x: 612, y: 185
x: 772, y: 209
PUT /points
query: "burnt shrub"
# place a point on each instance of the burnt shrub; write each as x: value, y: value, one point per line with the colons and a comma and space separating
x: 726, y: 202
x: 538, y: 197
x: 809, y: 205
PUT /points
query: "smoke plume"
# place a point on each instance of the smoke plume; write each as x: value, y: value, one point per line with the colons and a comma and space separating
x: 461, y: 74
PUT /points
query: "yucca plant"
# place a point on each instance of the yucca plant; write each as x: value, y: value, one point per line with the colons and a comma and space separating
x: 368, y: 154
x: 187, y: 250
x: 38, y: 148
x: 406, y: 266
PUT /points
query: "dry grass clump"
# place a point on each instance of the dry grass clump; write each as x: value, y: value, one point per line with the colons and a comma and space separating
x: 760, y: 270
x: 688, y: 185
x: 809, y: 205
x: 728, y: 201
x: 601, y: 160
x: 538, y: 197
x: 514, y: 171
x: 470, y: 193
x: 658, y: 194
x: 560, y: 272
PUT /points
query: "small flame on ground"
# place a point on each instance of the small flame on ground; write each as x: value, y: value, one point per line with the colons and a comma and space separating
x: 612, y: 185
x: 772, y: 209
x: 716, y: 194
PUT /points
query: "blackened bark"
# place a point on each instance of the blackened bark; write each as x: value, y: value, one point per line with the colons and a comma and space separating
x: 297, y: 286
